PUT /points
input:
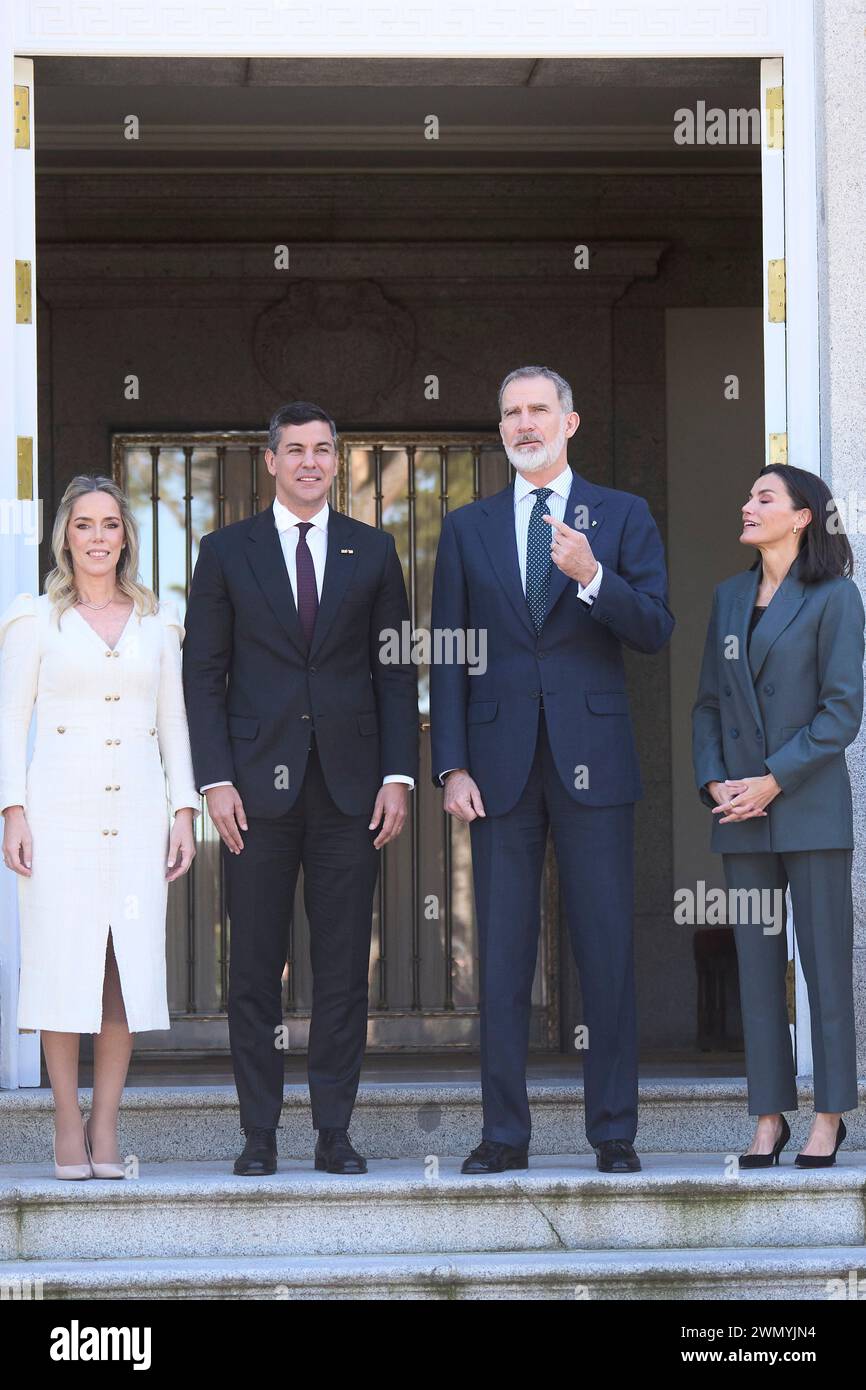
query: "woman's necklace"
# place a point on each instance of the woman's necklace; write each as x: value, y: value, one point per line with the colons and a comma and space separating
x: 96, y: 606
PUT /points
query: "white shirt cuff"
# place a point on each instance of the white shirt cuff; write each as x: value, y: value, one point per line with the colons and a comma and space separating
x: 588, y: 592
x: 214, y: 784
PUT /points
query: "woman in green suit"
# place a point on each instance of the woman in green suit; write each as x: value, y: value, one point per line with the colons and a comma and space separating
x: 780, y: 698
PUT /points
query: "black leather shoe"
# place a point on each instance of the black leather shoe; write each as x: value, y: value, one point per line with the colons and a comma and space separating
x: 493, y: 1157
x: 616, y: 1156
x: 767, y: 1160
x: 259, y: 1155
x: 822, y: 1160
x: 335, y: 1154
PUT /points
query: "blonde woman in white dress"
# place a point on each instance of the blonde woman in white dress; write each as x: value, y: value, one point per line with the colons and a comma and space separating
x: 86, y: 823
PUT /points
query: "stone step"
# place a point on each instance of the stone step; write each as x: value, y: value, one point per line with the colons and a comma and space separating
x: 184, y: 1211
x: 408, y: 1119
x: 820, y: 1273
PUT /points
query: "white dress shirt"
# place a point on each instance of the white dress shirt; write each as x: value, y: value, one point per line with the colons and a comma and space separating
x: 317, y: 542
x: 556, y: 504
x: 524, y: 501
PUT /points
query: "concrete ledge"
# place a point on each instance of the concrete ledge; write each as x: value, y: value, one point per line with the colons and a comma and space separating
x: 202, y: 1210
x: 407, y: 1119
x: 604, y: 1274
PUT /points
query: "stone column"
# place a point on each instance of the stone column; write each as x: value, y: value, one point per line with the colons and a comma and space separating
x: 841, y: 193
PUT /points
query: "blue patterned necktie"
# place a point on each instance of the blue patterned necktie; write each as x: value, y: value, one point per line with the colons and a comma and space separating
x: 538, y: 558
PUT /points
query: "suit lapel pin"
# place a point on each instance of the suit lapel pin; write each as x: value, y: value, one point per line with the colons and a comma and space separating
x: 347, y: 552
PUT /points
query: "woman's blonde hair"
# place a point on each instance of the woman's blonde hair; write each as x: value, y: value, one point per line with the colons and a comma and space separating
x: 60, y: 582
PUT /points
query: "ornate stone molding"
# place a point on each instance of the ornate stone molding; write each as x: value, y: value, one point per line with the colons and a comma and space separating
x: 353, y: 339
x: 273, y: 28
x: 511, y: 139
x: 119, y: 267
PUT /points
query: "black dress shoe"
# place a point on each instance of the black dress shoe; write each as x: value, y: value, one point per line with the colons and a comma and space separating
x: 616, y: 1156
x: 335, y: 1154
x: 493, y: 1157
x: 259, y: 1155
x: 822, y: 1160
x: 767, y: 1160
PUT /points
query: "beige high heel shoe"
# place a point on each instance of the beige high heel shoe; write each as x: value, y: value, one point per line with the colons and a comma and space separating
x: 72, y: 1170
x: 102, y: 1170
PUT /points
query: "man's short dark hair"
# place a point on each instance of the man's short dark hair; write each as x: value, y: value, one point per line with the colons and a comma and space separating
x: 297, y: 413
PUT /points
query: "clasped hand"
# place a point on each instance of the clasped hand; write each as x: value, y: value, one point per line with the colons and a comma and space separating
x: 741, y: 798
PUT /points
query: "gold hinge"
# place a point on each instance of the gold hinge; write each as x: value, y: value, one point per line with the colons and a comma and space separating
x: 23, y: 301
x: 776, y: 291
x: 778, y: 448
x: 25, y: 468
x: 775, y: 119
x: 22, y: 117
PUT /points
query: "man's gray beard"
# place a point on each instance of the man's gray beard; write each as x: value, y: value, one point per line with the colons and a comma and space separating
x: 537, y: 460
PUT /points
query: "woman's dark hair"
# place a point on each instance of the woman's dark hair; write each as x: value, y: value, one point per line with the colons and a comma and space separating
x: 825, y: 550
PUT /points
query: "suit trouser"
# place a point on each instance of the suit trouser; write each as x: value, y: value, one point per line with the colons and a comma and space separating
x: 594, y: 855
x: 820, y: 883
x: 340, y: 870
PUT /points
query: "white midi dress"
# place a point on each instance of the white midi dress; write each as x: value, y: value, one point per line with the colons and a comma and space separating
x: 111, y: 730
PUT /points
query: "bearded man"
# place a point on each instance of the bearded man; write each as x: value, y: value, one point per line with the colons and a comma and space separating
x: 559, y: 574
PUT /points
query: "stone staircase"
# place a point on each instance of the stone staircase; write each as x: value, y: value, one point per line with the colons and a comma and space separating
x: 688, y: 1226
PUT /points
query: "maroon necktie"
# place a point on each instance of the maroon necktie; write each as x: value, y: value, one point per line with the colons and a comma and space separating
x: 308, y: 596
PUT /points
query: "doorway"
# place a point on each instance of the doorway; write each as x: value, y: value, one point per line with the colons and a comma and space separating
x: 604, y: 331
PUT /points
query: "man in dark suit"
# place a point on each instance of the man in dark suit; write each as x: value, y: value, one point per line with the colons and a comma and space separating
x: 305, y: 742
x: 559, y: 574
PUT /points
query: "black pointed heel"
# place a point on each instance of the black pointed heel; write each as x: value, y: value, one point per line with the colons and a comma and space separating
x: 767, y: 1160
x: 822, y: 1160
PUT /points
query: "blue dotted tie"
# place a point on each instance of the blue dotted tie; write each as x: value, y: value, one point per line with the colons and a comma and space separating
x: 538, y: 558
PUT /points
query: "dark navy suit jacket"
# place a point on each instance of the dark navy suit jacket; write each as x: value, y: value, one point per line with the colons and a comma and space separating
x: 488, y: 722
x: 253, y: 688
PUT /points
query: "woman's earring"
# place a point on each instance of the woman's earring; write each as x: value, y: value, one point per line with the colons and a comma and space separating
x: 796, y: 528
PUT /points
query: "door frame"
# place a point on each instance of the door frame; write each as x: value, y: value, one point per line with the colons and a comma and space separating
x: 428, y: 29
